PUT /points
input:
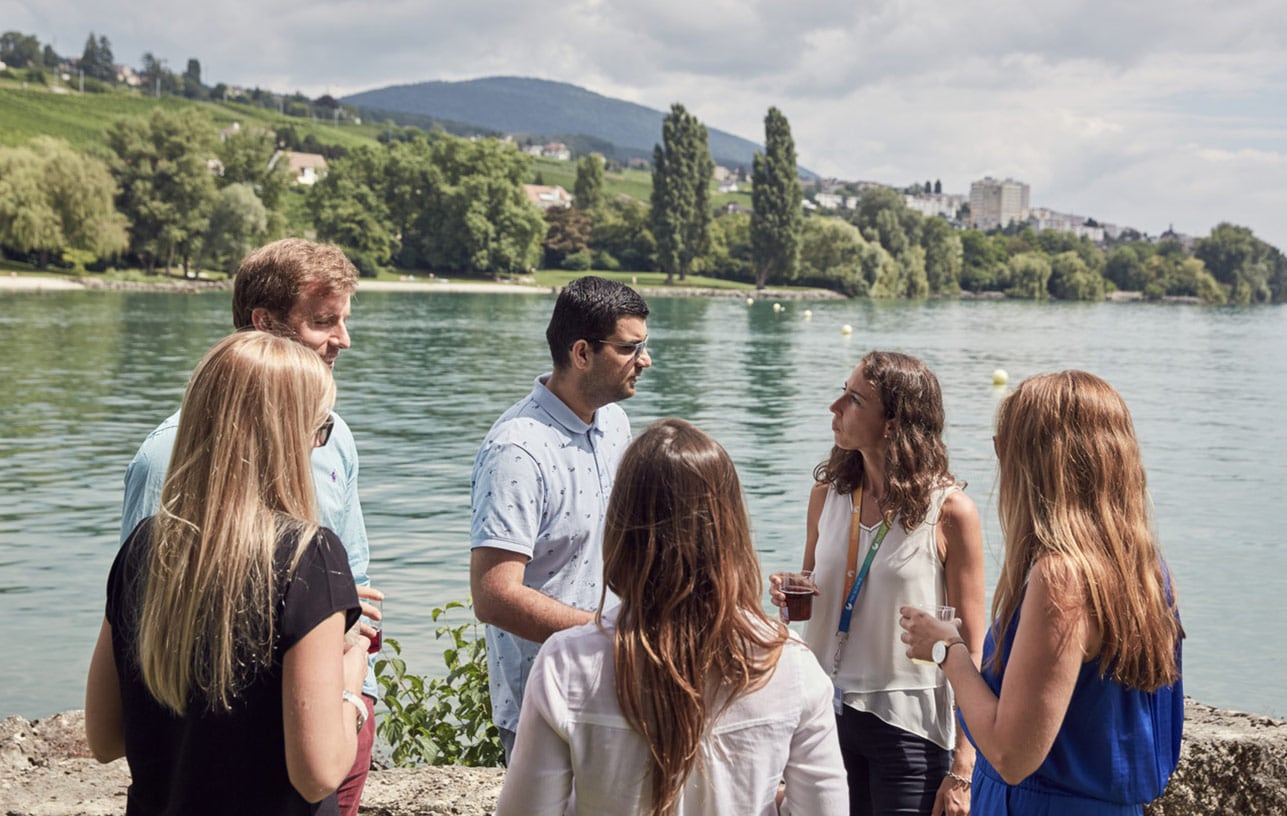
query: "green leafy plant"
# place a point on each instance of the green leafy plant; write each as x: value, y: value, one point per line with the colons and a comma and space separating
x: 447, y: 720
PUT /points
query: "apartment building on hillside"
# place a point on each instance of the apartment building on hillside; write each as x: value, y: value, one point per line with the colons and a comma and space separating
x: 997, y: 203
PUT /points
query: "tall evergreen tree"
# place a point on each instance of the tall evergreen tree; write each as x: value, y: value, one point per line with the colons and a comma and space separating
x: 681, y: 171
x: 588, y: 190
x: 697, y: 232
x: 192, y: 87
x: 776, y: 200
x: 97, y: 60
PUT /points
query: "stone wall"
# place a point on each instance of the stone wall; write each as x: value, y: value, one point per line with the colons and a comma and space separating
x: 1233, y: 763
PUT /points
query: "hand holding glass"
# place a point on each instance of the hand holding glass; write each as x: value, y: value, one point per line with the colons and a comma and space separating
x: 943, y: 613
x: 799, y: 589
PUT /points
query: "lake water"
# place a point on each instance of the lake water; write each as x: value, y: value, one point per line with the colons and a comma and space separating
x: 88, y: 374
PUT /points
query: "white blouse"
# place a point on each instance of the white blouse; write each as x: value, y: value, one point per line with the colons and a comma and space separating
x: 875, y: 673
x: 575, y: 752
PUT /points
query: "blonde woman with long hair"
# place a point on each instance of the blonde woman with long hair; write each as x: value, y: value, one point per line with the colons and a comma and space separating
x: 685, y: 699
x: 221, y: 670
x: 1079, y: 708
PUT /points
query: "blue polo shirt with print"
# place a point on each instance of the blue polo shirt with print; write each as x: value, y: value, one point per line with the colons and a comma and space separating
x: 540, y: 488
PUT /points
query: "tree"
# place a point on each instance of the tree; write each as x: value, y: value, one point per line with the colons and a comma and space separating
x: 621, y: 232
x: 238, y: 222
x: 831, y: 256
x: 731, y: 254
x: 96, y: 60
x: 984, y: 262
x: 1125, y: 268
x: 19, y: 50
x: 1072, y: 279
x: 154, y: 74
x: 1242, y: 263
x: 681, y: 173
x: 192, y: 87
x: 54, y: 199
x: 166, y: 186
x: 943, y: 256
x: 776, y: 198
x: 567, y: 233
x: 348, y: 210
x: 247, y: 157
x: 1029, y: 276
x: 588, y: 190
x: 475, y: 216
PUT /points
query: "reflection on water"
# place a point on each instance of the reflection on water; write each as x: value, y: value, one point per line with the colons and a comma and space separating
x: 87, y: 375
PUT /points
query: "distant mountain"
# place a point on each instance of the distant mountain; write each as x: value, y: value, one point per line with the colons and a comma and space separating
x: 546, y: 110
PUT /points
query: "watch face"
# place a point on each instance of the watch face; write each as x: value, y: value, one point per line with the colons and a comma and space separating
x: 939, y: 652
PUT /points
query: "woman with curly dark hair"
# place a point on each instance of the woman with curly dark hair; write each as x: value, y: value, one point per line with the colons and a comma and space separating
x: 889, y: 525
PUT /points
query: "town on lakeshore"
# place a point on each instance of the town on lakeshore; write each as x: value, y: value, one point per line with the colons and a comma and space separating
x: 408, y: 194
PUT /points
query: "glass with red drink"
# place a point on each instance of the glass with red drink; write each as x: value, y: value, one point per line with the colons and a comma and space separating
x: 799, y: 589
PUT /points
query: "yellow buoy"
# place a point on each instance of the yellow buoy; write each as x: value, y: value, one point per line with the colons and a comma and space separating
x: 777, y: 307
x: 808, y: 314
x: 999, y: 377
x: 750, y: 301
x: 846, y: 329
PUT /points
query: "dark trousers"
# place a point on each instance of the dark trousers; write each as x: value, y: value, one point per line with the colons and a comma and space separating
x: 891, y: 772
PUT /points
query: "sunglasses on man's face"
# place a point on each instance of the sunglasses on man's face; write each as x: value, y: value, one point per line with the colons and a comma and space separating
x: 635, y: 350
x: 323, y: 434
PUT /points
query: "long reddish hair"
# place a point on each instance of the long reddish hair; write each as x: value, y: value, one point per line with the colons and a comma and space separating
x: 1073, y: 494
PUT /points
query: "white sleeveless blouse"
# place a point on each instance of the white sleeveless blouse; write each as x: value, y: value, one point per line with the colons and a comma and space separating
x: 874, y: 671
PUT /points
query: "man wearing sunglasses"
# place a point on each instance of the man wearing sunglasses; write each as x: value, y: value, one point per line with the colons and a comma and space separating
x: 541, y: 482
x: 301, y: 290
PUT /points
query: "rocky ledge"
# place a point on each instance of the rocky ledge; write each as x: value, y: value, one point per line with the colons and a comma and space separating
x: 1232, y: 763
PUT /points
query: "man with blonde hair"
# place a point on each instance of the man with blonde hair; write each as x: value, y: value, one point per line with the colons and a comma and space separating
x: 301, y: 290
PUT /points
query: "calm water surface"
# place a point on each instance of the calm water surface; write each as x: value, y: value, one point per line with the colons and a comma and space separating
x: 87, y: 375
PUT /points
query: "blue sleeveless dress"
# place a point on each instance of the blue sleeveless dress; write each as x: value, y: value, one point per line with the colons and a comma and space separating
x: 1114, y: 752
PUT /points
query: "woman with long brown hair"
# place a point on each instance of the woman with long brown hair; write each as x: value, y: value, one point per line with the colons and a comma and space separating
x: 221, y: 671
x: 889, y: 525
x: 1079, y: 707
x: 686, y: 698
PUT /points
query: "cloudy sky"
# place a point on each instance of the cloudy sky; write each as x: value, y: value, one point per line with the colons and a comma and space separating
x: 1141, y: 113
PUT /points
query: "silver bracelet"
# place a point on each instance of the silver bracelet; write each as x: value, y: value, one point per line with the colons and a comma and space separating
x: 959, y: 778
x: 349, y: 697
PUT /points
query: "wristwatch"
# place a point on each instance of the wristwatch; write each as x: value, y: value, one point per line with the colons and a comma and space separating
x: 349, y: 697
x: 939, y: 653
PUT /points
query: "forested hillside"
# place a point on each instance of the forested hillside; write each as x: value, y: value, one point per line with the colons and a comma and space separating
x: 542, y: 108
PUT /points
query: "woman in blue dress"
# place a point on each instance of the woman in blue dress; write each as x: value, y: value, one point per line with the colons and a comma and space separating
x: 1078, y: 709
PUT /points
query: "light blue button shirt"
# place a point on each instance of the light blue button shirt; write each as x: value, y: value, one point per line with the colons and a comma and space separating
x: 335, y: 475
x: 540, y: 488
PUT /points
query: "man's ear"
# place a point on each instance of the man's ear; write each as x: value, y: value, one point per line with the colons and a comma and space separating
x: 262, y: 319
x: 581, y: 352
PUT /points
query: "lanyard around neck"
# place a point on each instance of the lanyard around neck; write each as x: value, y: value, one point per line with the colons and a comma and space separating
x: 855, y: 530
x: 846, y: 613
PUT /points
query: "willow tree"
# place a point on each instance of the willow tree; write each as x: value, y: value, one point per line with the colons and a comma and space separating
x: 54, y: 199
